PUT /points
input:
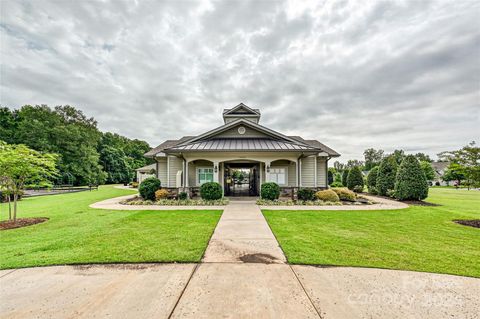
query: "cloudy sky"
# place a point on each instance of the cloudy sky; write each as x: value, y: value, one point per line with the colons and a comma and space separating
x: 353, y: 74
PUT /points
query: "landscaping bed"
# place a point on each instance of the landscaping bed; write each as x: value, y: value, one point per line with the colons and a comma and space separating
x: 288, y: 202
x: 174, y: 202
x: 472, y: 223
x: 21, y: 222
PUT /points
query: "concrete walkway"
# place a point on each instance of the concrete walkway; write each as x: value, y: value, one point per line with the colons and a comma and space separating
x: 243, y: 235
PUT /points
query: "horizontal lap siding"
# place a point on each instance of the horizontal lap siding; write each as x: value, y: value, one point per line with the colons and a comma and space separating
x: 308, y: 171
x: 175, y: 164
x: 162, y: 170
x: 321, y: 172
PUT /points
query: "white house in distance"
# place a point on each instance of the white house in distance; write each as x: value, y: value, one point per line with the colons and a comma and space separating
x: 242, y: 145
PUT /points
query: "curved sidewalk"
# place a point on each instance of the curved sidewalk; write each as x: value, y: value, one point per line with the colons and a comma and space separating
x: 114, y: 204
x: 381, y: 204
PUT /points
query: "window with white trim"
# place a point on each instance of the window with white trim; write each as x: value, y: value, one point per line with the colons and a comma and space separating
x: 204, y: 175
x: 278, y: 175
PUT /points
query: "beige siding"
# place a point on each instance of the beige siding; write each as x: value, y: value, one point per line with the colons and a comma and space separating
x: 231, y: 119
x: 308, y: 171
x: 175, y: 164
x: 162, y: 170
x: 233, y: 132
x: 291, y: 171
x: 192, y: 171
x: 321, y: 172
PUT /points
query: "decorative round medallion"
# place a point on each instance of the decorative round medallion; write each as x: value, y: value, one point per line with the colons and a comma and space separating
x: 241, y: 130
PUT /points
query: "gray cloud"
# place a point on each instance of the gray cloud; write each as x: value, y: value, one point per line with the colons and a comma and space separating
x: 396, y: 74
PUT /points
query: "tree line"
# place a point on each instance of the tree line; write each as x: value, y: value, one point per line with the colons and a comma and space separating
x: 84, y: 154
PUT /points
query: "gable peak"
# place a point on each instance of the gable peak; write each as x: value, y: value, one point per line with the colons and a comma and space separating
x: 241, y: 111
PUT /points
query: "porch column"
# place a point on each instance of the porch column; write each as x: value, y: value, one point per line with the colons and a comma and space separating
x: 216, y: 169
x: 315, y: 171
x: 298, y: 172
x: 186, y: 173
x: 267, y: 171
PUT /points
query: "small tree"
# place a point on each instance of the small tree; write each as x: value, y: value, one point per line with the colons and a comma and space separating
x: 372, y: 180
x: 466, y: 162
x: 427, y: 170
x: 355, y: 179
x: 20, y: 166
x: 411, y: 182
x: 330, y: 173
x: 345, y: 177
x: 387, y: 172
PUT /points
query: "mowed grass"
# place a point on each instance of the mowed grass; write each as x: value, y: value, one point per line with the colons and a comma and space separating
x: 417, y: 238
x: 77, y: 234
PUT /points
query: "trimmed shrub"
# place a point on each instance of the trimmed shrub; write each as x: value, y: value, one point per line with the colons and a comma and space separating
x: 330, y: 176
x: 345, y: 177
x: 270, y: 191
x: 327, y: 195
x: 336, y: 184
x: 182, y: 196
x: 337, y: 179
x: 345, y: 194
x: 211, y: 191
x: 134, y: 184
x: 148, y: 188
x: 355, y: 179
x: 358, y: 188
x: 411, y: 182
x: 372, y: 180
x: 161, y: 194
x: 387, y: 172
x: 306, y: 194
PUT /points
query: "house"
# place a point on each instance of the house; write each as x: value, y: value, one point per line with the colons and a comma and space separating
x: 146, y: 172
x: 439, y: 168
x: 242, y: 144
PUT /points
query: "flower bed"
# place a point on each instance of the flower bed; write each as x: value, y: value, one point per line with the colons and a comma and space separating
x: 288, y: 202
x: 173, y: 202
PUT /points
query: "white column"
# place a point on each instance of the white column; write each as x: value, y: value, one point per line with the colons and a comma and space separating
x: 300, y: 172
x: 186, y: 173
x: 267, y: 174
x: 260, y: 172
x: 315, y: 169
x: 216, y: 168
x: 297, y: 170
x: 168, y: 171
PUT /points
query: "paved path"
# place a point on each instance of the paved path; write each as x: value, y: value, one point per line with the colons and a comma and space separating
x: 243, y: 235
x: 242, y: 275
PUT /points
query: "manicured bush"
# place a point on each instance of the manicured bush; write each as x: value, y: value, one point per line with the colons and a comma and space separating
x: 161, y: 194
x: 148, y: 188
x: 270, y: 191
x: 358, y: 188
x: 330, y: 176
x: 387, y: 172
x: 337, y: 179
x: 355, y: 179
x: 306, y: 194
x: 345, y: 194
x: 211, y: 191
x: 336, y: 184
x: 411, y: 182
x: 182, y: 196
x: 327, y: 195
x: 134, y: 184
x: 345, y: 177
x: 372, y: 180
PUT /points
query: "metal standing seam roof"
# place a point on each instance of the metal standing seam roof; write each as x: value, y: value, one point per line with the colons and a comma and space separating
x: 242, y: 144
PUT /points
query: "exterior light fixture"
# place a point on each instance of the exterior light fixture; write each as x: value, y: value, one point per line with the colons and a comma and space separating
x: 216, y: 168
x: 268, y: 168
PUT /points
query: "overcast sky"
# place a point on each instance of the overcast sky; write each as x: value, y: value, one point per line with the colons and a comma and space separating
x: 352, y: 74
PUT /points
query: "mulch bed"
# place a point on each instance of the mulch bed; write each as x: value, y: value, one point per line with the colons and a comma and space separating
x: 472, y: 222
x: 418, y: 203
x: 21, y: 222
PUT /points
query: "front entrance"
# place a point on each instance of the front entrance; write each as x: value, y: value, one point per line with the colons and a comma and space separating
x: 241, y: 179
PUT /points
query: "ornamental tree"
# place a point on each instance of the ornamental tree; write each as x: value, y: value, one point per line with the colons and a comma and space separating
x: 427, y: 170
x: 411, y: 182
x: 20, y: 166
x: 387, y: 172
x: 372, y: 180
x: 355, y: 179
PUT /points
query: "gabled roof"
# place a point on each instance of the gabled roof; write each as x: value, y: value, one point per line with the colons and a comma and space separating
x: 165, y: 145
x: 241, y: 109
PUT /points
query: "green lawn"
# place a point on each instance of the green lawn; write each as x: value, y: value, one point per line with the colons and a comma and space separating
x: 76, y: 233
x: 416, y: 238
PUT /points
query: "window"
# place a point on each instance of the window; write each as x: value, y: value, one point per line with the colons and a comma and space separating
x: 204, y: 175
x: 278, y: 175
